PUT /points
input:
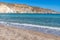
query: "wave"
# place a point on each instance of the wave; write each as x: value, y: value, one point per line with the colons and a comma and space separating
x: 39, y: 28
x: 32, y: 25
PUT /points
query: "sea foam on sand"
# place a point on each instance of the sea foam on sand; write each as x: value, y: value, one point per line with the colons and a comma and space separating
x: 12, y: 33
x: 39, y: 28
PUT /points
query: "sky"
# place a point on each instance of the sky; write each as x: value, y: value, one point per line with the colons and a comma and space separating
x: 48, y: 4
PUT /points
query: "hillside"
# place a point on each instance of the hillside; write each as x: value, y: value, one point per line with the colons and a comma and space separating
x: 21, y: 8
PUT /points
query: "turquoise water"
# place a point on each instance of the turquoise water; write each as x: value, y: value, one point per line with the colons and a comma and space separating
x: 46, y: 23
x: 37, y: 19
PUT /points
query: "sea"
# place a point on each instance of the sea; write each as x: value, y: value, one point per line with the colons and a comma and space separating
x: 46, y: 23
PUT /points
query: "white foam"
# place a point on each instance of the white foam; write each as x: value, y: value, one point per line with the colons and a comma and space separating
x: 31, y: 25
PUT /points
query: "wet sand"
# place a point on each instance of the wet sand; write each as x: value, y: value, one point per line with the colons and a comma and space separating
x: 12, y: 33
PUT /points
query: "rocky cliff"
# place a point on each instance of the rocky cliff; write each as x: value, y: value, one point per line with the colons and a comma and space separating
x: 21, y: 8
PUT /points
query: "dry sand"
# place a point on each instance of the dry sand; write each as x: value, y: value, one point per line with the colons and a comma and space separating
x: 11, y: 33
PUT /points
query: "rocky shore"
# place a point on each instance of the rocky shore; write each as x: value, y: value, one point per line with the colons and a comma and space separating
x: 12, y: 33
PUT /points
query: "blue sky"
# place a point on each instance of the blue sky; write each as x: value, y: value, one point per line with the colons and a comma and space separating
x: 48, y: 4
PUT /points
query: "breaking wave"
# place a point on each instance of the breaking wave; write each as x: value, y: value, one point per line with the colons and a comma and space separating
x: 39, y: 28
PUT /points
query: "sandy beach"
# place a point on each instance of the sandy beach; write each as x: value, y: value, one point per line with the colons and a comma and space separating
x: 12, y: 33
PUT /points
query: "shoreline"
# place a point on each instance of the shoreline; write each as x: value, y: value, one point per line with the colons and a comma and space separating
x: 37, y: 28
x: 14, y: 33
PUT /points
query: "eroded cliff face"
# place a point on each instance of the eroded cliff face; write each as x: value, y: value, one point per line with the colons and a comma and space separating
x: 21, y: 8
x: 4, y: 8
